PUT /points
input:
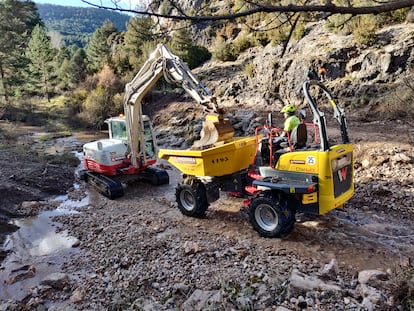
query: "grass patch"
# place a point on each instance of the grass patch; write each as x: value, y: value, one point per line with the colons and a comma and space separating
x: 50, y: 136
x: 63, y: 159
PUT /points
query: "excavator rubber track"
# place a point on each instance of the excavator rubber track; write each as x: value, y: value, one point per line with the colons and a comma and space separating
x: 113, y: 188
x: 109, y: 187
x: 155, y: 176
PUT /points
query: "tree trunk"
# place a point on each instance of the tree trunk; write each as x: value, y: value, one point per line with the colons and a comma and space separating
x: 3, y: 93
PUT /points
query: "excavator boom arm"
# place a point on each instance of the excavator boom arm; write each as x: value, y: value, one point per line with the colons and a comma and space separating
x: 161, y: 62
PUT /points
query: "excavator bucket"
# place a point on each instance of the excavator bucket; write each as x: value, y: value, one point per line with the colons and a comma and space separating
x: 216, y: 131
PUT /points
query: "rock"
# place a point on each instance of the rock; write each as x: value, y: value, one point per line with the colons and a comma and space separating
x: 244, y: 303
x: 201, y: 300
x: 56, y: 280
x: 372, y: 277
x: 29, y: 272
x: 400, y: 158
x: 300, y: 283
x: 9, y: 306
x: 35, y: 303
x: 191, y: 247
x: 330, y: 270
x: 181, y: 288
x: 61, y: 307
x: 410, y: 16
x: 78, y: 295
x: 77, y: 243
x: 372, y: 296
x: 365, y: 163
x: 30, y: 204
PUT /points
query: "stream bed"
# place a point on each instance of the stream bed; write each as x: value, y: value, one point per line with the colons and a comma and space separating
x: 40, y: 246
x: 36, y: 250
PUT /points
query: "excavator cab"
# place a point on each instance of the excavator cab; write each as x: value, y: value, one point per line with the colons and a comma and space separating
x: 117, y: 128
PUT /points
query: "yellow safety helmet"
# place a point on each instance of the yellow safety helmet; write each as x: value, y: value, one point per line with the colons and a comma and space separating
x: 288, y: 108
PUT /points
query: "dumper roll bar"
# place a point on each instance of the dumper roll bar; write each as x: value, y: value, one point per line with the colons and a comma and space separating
x: 319, y: 116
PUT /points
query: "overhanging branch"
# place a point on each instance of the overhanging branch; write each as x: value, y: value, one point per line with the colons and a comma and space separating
x: 263, y: 8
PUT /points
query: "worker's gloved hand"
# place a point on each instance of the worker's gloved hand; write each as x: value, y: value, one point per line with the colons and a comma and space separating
x: 275, y: 132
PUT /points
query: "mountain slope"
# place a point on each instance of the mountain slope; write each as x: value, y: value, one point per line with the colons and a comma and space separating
x: 76, y: 25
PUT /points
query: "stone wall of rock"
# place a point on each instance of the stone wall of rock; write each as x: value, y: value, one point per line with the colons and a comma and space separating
x: 355, y: 74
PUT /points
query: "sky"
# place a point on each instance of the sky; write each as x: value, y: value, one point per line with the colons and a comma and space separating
x: 126, y: 4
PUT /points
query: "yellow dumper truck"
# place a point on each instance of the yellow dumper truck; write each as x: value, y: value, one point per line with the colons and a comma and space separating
x: 309, y: 172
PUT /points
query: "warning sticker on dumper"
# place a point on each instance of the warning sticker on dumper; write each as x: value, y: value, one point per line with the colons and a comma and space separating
x: 184, y: 160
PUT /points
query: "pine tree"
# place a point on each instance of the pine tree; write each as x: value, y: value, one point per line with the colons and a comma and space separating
x: 181, y: 42
x: 140, y: 31
x: 17, y: 19
x: 72, y: 70
x: 77, y: 67
x: 98, y: 50
x: 182, y: 46
x: 40, y: 53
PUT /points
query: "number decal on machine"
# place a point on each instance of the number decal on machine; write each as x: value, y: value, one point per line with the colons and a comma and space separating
x: 310, y: 160
x: 219, y: 160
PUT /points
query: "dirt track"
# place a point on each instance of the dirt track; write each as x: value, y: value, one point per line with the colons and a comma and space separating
x: 139, y: 250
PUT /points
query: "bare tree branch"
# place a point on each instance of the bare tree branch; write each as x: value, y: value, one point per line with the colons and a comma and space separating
x: 383, y: 7
x: 292, y: 29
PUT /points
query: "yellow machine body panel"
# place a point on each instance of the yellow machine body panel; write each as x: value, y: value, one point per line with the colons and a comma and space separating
x: 333, y: 168
x: 221, y: 160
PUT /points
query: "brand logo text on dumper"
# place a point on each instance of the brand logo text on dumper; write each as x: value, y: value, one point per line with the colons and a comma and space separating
x: 342, y: 173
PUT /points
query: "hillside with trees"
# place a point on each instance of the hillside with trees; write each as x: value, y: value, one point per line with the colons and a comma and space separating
x: 76, y: 25
x: 261, y: 49
x: 41, y: 82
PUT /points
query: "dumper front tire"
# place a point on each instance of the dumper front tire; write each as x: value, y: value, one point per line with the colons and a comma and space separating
x: 192, y: 199
x: 271, y: 217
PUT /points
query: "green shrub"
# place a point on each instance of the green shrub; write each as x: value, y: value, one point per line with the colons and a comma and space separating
x: 363, y: 29
x: 98, y: 107
x: 261, y: 38
x: 393, y: 17
x: 278, y: 35
x: 8, y: 131
x: 249, y: 70
x: 400, y: 104
x: 241, y: 44
x: 299, y: 31
x: 197, y: 55
x: 224, y: 51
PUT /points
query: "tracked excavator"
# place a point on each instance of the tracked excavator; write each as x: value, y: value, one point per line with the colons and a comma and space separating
x: 130, y: 152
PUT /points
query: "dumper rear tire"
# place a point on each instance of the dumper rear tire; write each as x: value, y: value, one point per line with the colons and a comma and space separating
x: 192, y: 199
x: 271, y: 217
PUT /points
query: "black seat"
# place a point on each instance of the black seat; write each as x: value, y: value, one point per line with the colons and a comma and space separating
x: 299, y: 136
x: 298, y: 139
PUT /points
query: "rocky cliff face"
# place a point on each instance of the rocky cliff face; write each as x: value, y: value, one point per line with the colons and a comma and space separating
x: 372, y: 84
x: 357, y: 75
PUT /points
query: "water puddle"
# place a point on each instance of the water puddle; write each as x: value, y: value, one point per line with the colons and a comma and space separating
x: 37, y: 249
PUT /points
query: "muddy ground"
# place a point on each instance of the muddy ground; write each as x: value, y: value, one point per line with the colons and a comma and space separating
x: 28, y: 174
x: 139, y: 252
